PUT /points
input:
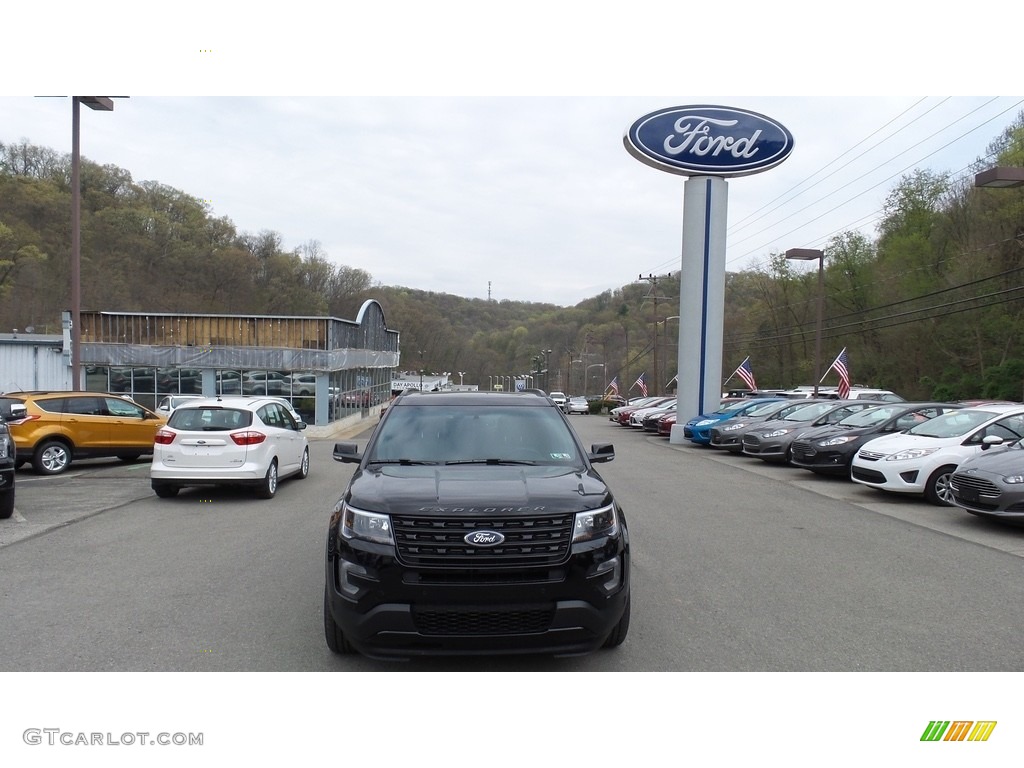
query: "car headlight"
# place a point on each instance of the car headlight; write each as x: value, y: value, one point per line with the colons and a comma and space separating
x: 913, y: 453
x: 1013, y: 479
x: 367, y: 526
x: 777, y: 433
x: 595, y: 523
x: 733, y: 427
x: 704, y: 423
x: 835, y: 441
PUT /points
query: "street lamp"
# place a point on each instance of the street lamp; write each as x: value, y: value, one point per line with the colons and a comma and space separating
x: 102, y: 104
x: 809, y: 254
x: 547, y: 369
x: 461, y: 374
x: 1000, y: 176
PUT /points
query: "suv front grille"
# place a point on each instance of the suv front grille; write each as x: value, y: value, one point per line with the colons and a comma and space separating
x: 440, y: 542
x: 481, y: 621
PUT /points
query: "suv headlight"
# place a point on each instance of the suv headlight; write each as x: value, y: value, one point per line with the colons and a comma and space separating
x: 5, y: 445
x: 367, y: 526
x: 594, y: 524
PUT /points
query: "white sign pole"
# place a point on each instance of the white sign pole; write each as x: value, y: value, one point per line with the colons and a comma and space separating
x: 701, y: 299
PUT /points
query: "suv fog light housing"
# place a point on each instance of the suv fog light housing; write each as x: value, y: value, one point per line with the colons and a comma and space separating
x: 609, y: 573
x: 595, y: 524
x: 345, y: 571
x: 367, y: 526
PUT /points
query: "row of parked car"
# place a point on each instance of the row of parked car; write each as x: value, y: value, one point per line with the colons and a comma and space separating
x: 969, y: 454
x: 195, y: 441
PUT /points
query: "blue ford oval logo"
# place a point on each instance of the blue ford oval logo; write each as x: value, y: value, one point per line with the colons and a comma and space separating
x: 706, y: 140
x: 483, y: 538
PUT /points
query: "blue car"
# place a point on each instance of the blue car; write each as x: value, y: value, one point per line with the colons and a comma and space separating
x: 698, y: 429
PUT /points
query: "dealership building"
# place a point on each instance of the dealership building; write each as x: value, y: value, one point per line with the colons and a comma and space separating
x: 330, y: 369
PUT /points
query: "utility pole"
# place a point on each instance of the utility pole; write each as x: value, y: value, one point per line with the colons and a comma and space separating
x: 653, y: 280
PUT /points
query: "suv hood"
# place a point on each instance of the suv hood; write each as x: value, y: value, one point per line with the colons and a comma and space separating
x: 474, y: 489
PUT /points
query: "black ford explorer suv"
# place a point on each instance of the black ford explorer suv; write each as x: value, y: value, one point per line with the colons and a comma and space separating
x: 475, y: 523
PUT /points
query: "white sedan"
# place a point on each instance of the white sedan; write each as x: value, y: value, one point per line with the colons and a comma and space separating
x: 229, y: 441
x: 577, y: 405
x: 922, y: 459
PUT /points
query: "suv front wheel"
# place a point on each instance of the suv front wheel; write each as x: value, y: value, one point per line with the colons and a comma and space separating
x: 618, y: 635
x: 51, y: 457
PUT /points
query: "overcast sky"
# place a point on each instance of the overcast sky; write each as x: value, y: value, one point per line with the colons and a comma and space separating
x: 497, y: 178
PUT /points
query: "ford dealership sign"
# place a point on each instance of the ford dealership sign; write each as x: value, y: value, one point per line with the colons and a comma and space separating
x: 708, y: 141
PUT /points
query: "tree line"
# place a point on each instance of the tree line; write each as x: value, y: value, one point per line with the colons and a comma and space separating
x: 932, y: 307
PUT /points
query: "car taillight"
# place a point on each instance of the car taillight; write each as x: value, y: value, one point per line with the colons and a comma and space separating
x: 163, y: 437
x: 249, y: 437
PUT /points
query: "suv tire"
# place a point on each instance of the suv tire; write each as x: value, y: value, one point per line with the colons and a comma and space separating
x: 6, y: 504
x: 618, y: 635
x: 304, y: 466
x: 51, y: 457
x: 336, y: 641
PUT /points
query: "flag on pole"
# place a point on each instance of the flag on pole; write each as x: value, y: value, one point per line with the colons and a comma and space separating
x: 669, y: 383
x: 642, y: 383
x: 613, y: 386
x: 746, y: 373
x: 840, y: 367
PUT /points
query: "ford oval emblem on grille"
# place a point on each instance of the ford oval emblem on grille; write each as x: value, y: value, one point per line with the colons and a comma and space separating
x: 483, y: 538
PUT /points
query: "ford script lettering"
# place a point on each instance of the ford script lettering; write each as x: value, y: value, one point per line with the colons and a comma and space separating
x: 484, y: 538
x: 708, y: 141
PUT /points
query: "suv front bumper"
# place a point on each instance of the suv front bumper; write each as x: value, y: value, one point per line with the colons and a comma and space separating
x: 387, y: 609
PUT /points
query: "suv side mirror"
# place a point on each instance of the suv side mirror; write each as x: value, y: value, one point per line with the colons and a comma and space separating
x: 601, y: 452
x: 347, y: 453
x: 19, y: 411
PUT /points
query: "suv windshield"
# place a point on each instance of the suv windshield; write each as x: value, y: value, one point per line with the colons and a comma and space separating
x: 466, y: 433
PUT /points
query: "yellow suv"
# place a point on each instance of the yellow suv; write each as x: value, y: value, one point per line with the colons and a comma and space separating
x: 52, y: 428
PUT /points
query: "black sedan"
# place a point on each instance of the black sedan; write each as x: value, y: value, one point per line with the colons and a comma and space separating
x: 829, y: 449
x: 773, y: 440
x: 991, y: 484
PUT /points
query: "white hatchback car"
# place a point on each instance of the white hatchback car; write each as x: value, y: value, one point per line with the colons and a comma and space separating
x: 229, y: 441
x: 922, y: 459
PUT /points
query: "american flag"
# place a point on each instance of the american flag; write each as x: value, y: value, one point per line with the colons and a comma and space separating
x: 613, y: 386
x: 746, y: 373
x: 642, y: 383
x: 840, y: 367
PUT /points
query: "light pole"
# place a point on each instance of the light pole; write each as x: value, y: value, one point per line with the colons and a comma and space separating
x: 586, y: 376
x: 102, y: 104
x: 547, y: 369
x: 1001, y: 177
x: 461, y: 374
x: 809, y: 254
